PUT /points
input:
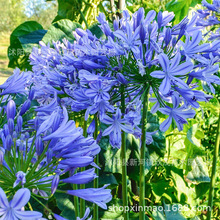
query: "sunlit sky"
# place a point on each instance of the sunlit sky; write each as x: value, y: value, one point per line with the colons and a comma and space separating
x: 31, y: 6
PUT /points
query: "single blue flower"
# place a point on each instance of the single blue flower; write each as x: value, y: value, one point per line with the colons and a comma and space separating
x: 21, y: 178
x: 117, y: 123
x: 98, y: 91
x: 171, y: 70
x: 13, y: 209
x: 178, y: 114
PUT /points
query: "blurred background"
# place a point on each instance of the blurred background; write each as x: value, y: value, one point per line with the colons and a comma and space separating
x: 15, y: 12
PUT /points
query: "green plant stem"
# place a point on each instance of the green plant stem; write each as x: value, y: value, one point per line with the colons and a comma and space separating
x: 123, y: 159
x: 213, y: 175
x: 76, y: 201
x: 142, y: 156
x: 96, y: 180
x: 82, y: 186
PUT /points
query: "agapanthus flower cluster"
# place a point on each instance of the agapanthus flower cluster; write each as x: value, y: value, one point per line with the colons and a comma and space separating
x: 36, y: 156
x: 144, y: 55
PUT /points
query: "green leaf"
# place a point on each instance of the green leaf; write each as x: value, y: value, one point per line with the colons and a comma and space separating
x: 108, y: 178
x: 201, y: 189
x: 96, y: 30
x: 171, y: 212
x: 22, y: 40
x: 158, y: 145
x: 59, y: 30
x: 68, y: 9
x: 180, y: 185
x: 199, y: 172
x: 114, y: 211
x: 180, y: 8
x: 65, y: 204
x: 166, y: 193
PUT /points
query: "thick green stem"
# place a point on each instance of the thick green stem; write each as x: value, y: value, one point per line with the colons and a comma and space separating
x: 82, y: 186
x: 213, y: 175
x: 96, y: 181
x: 124, y: 160
x: 142, y: 156
x: 76, y: 201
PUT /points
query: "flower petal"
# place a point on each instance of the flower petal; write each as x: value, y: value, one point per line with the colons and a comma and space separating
x: 3, y: 199
x: 158, y: 74
x: 166, y: 124
x: 20, y: 198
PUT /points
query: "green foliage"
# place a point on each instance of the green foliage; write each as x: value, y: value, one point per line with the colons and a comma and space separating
x: 65, y: 204
x: 59, y: 30
x: 180, y: 8
x: 22, y: 39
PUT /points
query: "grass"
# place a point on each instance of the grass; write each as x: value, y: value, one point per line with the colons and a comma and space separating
x: 5, y: 72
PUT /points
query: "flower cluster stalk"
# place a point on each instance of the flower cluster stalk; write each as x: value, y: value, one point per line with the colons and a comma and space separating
x: 82, y: 186
x: 96, y: 181
x: 213, y: 175
x: 142, y: 156
x: 123, y: 159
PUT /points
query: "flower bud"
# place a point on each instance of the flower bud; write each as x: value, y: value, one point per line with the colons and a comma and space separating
x: 159, y: 19
x: 49, y: 155
x: 19, y: 123
x: 15, y: 135
x: 22, y: 137
x: 6, y: 130
x: 99, y: 137
x: 55, y: 183
x: 2, y: 153
x: 25, y: 106
x: 8, y: 142
x: 39, y: 145
x: 91, y: 128
x: 31, y: 94
x: 182, y: 31
x: 27, y: 135
x: 11, y: 109
x: 56, y: 122
x: 121, y: 79
x: 142, y: 33
x: 36, y: 123
x: 168, y: 36
x: 11, y: 125
x: 116, y: 25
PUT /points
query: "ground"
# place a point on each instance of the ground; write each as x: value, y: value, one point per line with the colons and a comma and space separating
x: 5, y: 72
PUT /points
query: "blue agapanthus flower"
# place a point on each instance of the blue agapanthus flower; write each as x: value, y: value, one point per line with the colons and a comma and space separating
x: 117, y: 123
x: 14, y: 209
x: 171, y: 69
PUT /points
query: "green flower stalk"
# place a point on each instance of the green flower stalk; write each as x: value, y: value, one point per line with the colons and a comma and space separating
x: 213, y: 175
x: 142, y: 155
x: 96, y: 181
x: 123, y: 159
x: 82, y: 186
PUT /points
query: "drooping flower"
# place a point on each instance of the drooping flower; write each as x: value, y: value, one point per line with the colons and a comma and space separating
x: 99, y: 196
x: 16, y: 83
